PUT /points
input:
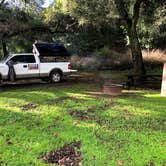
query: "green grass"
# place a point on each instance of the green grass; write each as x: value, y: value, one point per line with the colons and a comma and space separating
x: 129, y: 130
x: 108, y: 74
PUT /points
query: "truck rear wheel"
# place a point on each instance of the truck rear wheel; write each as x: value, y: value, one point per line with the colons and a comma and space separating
x: 55, y: 76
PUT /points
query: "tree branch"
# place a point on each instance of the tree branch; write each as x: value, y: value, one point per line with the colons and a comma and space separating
x: 35, y: 29
x: 136, y: 11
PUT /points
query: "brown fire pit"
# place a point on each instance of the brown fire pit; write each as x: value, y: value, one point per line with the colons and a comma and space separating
x: 112, y: 89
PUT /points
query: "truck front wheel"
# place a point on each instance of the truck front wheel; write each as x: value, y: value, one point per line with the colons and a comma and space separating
x: 55, y: 77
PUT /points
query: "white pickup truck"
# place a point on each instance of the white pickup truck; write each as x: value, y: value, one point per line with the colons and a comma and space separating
x: 30, y: 65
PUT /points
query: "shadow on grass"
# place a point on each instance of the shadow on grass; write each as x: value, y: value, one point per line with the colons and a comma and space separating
x: 134, y: 100
x: 40, y: 133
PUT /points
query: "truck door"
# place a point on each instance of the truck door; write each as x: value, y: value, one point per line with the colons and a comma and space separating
x: 25, y: 66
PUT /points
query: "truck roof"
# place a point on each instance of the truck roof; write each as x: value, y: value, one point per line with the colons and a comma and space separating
x: 22, y: 54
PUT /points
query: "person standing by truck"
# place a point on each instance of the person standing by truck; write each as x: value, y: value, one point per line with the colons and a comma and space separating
x: 11, y: 72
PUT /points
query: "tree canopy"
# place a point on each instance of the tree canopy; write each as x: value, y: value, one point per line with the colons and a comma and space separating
x: 87, y: 26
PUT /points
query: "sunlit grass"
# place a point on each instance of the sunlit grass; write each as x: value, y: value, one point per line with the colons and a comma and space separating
x: 129, y: 129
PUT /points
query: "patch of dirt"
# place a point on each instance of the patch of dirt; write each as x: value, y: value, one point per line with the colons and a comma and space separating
x: 68, y: 155
x: 2, y: 162
x: 120, y: 162
x: 163, y: 144
x: 29, y: 106
x: 8, y: 141
x: 127, y: 113
x: 76, y: 123
x: 82, y: 115
x: 13, y: 121
x: 61, y: 99
x: 106, y: 106
x: 151, y: 163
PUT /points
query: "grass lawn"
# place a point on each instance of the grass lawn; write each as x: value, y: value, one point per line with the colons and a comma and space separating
x: 129, y: 130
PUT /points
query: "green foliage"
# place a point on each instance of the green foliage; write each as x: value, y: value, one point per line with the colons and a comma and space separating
x: 151, y: 27
x: 104, y: 52
x: 94, y: 24
x: 91, y: 23
x: 14, y: 20
x: 151, y: 19
x: 16, y: 24
x: 84, y: 26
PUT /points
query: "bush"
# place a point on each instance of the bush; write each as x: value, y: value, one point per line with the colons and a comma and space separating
x: 88, y: 62
x: 154, y: 56
x: 106, y: 58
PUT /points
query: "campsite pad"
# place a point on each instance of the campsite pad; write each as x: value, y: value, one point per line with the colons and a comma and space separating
x: 68, y: 155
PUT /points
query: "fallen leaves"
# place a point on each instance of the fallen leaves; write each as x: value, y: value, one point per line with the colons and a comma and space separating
x: 68, y: 155
x: 163, y: 144
x: 55, y: 135
x: 127, y: 113
x: 76, y: 123
x: 151, y: 163
x: 28, y: 106
x: 8, y: 141
x: 120, y: 162
x: 61, y: 99
x: 82, y: 115
x: 13, y: 121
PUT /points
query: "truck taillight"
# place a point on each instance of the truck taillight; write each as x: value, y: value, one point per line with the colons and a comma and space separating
x: 69, y: 66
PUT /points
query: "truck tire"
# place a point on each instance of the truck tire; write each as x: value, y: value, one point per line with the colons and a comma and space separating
x: 55, y: 76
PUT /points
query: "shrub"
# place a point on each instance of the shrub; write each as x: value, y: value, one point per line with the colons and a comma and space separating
x: 106, y: 58
x: 154, y: 56
x: 88, y: 62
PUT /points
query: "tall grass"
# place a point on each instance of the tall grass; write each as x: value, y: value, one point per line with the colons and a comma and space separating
x: 154, y: 56
x: 106, y: 58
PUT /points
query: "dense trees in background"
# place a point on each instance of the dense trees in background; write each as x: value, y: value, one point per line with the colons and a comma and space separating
x: 22, y: 22
x: 86, y: 25
x: 17, y: 22
x: 94, y: 24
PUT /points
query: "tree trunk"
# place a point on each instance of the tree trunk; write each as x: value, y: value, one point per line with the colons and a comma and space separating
x: 130, y: 24
x: 138, y: 65
x: 4, y: 48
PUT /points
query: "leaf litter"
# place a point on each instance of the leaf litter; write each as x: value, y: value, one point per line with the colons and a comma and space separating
x: 68, y: 155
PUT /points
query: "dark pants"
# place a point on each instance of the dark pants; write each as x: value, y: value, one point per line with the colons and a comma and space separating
x: 11, y: 73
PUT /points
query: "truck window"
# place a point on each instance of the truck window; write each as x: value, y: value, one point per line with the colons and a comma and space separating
x: 29, y: 59
x: 23, y: 59
x: 18, y: 59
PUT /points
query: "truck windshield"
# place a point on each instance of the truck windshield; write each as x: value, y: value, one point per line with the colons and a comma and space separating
x: 5, y: 58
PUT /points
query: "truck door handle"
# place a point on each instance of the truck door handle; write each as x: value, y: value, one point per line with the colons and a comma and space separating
x: 24, y: 66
